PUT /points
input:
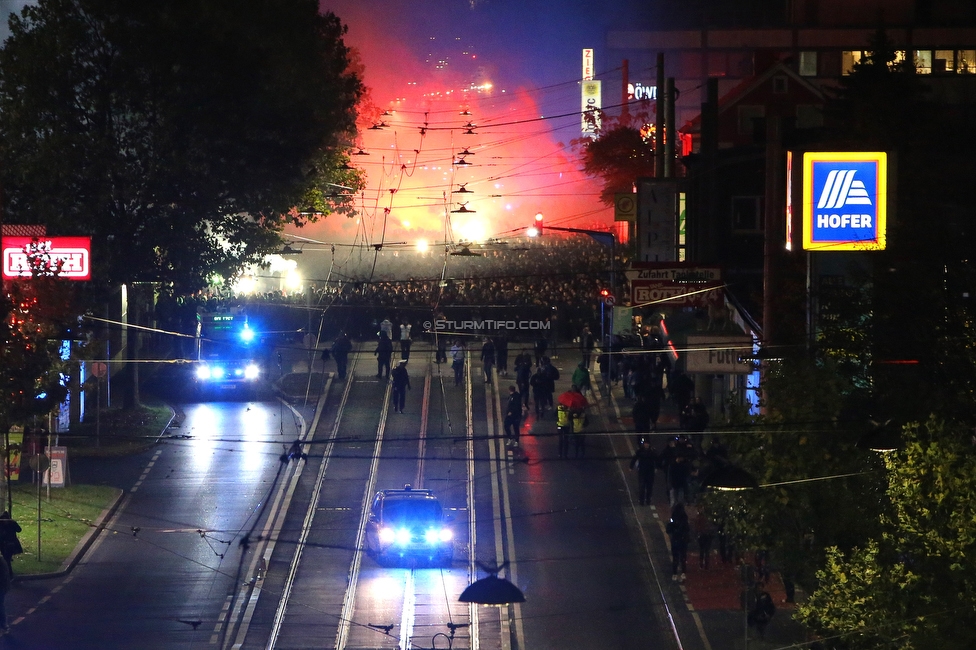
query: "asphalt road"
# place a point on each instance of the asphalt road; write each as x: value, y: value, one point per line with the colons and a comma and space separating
x: 219, y: 544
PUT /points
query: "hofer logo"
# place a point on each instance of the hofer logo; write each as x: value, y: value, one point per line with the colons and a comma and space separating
x: 844, y: 199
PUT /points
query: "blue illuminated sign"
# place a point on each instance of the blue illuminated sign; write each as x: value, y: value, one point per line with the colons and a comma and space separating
x: 844, y: 200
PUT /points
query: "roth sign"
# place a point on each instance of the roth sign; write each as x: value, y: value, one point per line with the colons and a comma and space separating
x: 74, y: 253
x: 844, y: 200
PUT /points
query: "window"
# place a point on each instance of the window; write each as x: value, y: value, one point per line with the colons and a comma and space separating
x: 966, y: 61
x: 779, y: 85
x: 808, y: 64
x: 900, y: 56
x: 850, y: 58
x: 923, y: 61
x: 944, y: 61
x: 747, y: 118
x: 747, y: 213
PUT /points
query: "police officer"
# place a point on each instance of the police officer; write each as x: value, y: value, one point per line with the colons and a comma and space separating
x: 644, y: 461
x: 401, y: 382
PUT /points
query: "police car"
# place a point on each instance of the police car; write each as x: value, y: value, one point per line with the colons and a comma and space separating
x: 409, y: 526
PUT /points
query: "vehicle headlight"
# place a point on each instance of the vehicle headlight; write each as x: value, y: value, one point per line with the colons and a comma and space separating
x: 431, y: 536
x: 445, y: 534
x: 402, y: 536
x: 217, y: 372
x: 387, y: 535
x: 203, y: 372
x: 251, y: 371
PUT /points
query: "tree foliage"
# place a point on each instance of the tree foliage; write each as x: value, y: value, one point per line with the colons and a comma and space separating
x: 179, y: 136
x: 620, y: 154
x: 803, y: 453
x: 914, y: 585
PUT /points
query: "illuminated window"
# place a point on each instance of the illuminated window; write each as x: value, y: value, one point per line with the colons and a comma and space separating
x: 900, y: 56
x: 944, y: 61
x: 966, y: 61
x: 849, y: 58
x: 808, y: 64
x: 747, y: 213
x: 923, y: 61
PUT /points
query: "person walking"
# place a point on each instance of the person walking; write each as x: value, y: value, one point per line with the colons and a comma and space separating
x: 501, y: 355
x: 679, y: 531
x: 513, y: 416
x: 401, y: 383
x: 581, y: 378
x: 587, y: 345
x: 441, y: 356
x: 488, y: 358
x: 645, y: 462
x: 541, y: 345
x: 551, y: 374
x: 705, y: 531
x: 564, y: 429
x: 9, y: 542
x: 538, y: 382
x: 457, y: 362
x: 341, y: 348
x: 579, y: 432
x: 405, y: 341
x: 386, y: 327
x: 523, y: 373
x: 384, y: 352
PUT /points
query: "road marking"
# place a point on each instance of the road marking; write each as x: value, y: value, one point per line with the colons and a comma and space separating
x: 348, y: 601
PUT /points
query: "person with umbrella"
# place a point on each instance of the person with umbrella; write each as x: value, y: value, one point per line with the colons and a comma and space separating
x: 576, y: 403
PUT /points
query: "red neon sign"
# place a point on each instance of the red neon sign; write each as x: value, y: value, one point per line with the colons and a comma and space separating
x: 74, y: 254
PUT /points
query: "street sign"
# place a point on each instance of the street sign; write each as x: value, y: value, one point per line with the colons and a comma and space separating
x: 609, y: 300
x: 100, y: 369
x: 39, y: 462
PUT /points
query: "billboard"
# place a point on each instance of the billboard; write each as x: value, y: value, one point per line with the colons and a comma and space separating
x: 73, y: 252
x: 844, y: 200
x: 592, y: 103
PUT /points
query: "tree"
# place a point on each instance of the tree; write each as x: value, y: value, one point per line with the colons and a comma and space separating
x: 179, y: 136
x: 622, y: 153
x: 914, y: 585
x: 802, y: 435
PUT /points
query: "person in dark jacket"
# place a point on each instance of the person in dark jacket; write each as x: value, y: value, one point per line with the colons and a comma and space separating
x: 488, y: 358
x: 523, y: 373
x: 340, y: 352
x: 679, y: 531
x: 645, y: 462
x: 384, y: 352
x: 539, y: 385
x: 9, y: 542
x: 401, y: 383
x: 513, y: 416
x: 501, y: 355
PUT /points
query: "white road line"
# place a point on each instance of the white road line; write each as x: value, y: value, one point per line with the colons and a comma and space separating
x: 348, y: 602
x: 509, y: 525
x: 408, y: 614
x: 473, y: 610
x: 275, y: 521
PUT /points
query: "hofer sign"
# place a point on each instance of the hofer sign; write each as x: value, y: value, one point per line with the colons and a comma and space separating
x: 73, y: 252
x: 844, y: 200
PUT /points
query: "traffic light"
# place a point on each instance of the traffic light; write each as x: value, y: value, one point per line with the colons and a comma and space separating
x: 538, y: 223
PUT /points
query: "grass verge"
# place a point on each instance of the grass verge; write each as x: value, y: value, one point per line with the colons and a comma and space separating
x: 66, y: 516
x: 118, y: 432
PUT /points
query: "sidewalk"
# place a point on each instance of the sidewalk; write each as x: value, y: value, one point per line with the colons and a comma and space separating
x: 713, y: 595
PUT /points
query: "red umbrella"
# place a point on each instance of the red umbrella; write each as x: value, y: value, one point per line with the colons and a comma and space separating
x: 573, y: 400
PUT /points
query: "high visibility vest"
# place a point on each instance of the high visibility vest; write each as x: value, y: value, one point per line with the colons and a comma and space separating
x: 562, y: 416
x: 578, y: 420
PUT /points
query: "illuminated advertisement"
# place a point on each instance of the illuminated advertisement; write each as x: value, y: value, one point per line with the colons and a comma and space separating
x: 592, y: 103
x: 588, y: 64
x: 74, y: 253
x: 844, y: 200
x: 789, y: 200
